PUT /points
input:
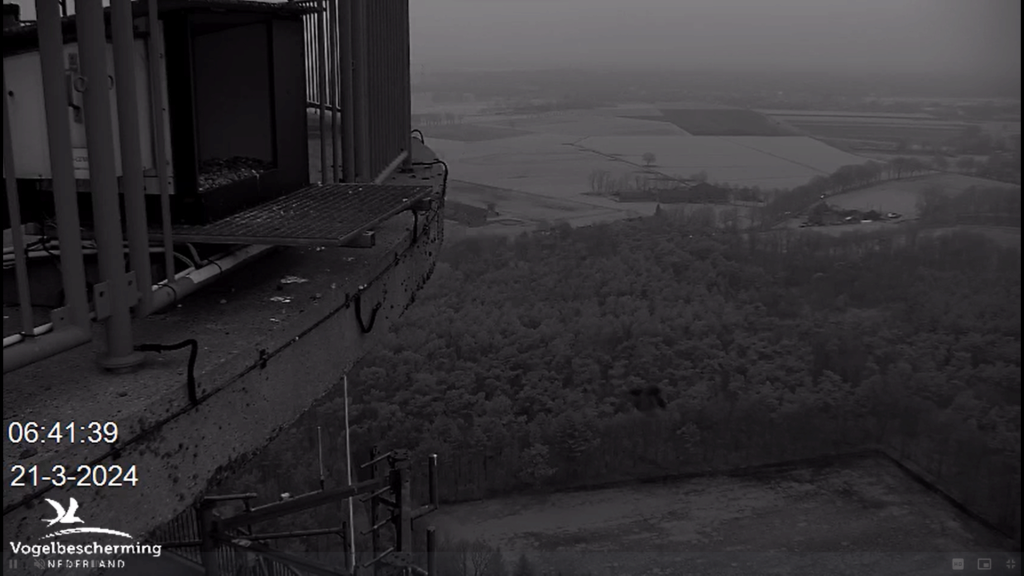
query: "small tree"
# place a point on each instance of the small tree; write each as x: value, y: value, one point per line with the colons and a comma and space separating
x: 701, y: 176
x: 649, y: 158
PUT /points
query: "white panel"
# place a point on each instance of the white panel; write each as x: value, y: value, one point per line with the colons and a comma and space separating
x: 28, y: 116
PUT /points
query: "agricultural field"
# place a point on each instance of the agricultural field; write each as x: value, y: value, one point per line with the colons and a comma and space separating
x: 539, y: 164
x: 722, y: 122
x: 514, y: 206
x: 901, y: 196
x: 582, y: 126
x: 768, y: 162
x: 466, y: 132
x: 870, y: 126
x: 858, y: 517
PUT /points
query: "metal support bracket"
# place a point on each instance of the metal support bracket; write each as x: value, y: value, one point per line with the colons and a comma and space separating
x: 367, y: 239
x: 101, y: 296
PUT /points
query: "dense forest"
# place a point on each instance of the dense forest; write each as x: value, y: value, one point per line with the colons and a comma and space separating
x: 516, y: 366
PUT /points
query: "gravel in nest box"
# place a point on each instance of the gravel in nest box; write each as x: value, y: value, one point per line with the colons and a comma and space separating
x: 217, y: 172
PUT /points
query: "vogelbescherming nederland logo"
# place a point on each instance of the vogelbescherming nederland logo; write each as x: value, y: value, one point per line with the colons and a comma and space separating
x: 56, y: 554
x: 69, y: 516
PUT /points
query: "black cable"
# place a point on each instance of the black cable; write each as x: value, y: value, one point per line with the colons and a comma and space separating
x: 444, y: 179
x: 420, y: 132
x: 366, y: 328
x: 191, y: 377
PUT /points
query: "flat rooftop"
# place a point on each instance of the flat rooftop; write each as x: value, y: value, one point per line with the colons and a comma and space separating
x: 853, y: 516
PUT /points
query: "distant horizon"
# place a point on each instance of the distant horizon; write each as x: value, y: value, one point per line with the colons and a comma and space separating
x: 985, y: 87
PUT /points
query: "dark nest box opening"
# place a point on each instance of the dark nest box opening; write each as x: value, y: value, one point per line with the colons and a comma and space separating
x: 236, y: 95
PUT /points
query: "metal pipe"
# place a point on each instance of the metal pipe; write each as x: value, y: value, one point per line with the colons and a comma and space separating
x: 37, y: 331
x: 348, y: 160
x: 360, y: 93
x: 17, y: 231
x: 231, y: 497
x: 58, y: 135
x: 348, y: 472
x: 390, y: 168
x: 92, y: 45
x: 432, y: 552
x: 432, y: 480
x: 155, y: 49
x: 295, y: 534
x: 32, y: 350
x: 123, y: 37
x: 169, y: 292
x: 335, y: 89
x: 321, y: 54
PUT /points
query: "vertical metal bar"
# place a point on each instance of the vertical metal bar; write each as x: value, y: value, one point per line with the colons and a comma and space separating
x: 348, y: 472
x: 393, y: 28
x: 321, y: 54
x: 375, y: 535
x: 28, y: 326
x: 335, y: 90
x: 92, y: 44
x: 432, y: 552
x: 208, y: 548
x: 360, y: 95
x: 58, y: 134
x: 405, y: 95
x: 307, y: 35
x: 123, y: 37
x: 348, y: 161
x: 404, y: 501
x: 372, y: 73
x: 432, y: 480
x: 155, y: 49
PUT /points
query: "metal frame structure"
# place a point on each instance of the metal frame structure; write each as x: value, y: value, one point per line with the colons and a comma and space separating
x: 359, y: 77
x: 357, y: 71
x: 389, y: 489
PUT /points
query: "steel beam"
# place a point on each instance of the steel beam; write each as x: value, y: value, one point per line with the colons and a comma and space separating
x: 132, y: 186
x: 297, y: 504
x: 58, y: 135
x: 92, y: 44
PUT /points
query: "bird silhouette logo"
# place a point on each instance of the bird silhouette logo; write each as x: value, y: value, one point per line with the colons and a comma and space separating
x: 64, y: 516
x: 69, y: 516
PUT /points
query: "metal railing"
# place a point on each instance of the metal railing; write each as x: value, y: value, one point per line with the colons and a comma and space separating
x: 116, y: 292
x: 358, y: 79
x: 357, y: 75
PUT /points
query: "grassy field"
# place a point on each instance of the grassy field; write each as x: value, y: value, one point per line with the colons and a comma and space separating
x: 465, y: 132
x: 520, y: 211
x: 768, y: 162
x: 869, y: 126
x: 582, y: 126
x: 879, y: 132
x: 861, y: 517
x: 901, y: 196
x: 722, y: 122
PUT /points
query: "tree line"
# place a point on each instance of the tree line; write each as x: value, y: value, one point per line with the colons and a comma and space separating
x: 516, y: 363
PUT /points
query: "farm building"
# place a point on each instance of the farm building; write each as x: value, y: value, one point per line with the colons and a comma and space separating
x: 823, y: 214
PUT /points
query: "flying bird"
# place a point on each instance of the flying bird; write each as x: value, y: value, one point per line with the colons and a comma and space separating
x: 64, y: 517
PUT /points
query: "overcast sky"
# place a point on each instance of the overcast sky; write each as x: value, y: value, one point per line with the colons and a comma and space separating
x: 925, y: 35
x: 852, y: 35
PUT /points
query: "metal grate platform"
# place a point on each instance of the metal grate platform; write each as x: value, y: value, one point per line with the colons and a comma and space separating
x: 334, y: 214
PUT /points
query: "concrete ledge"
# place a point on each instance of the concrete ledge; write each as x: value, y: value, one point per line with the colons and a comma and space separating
x: 267, y: 351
